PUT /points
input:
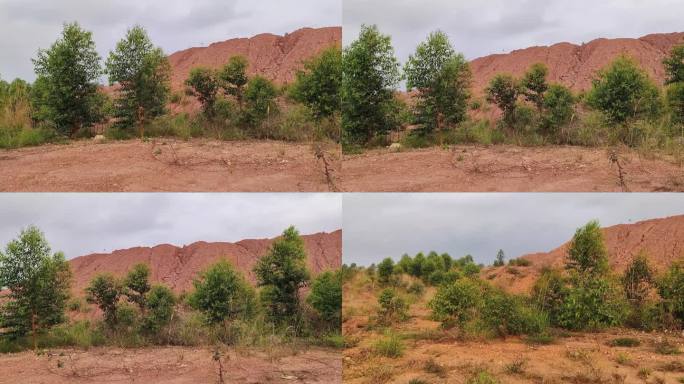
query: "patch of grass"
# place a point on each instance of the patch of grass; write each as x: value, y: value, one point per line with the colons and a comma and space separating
x: 623, y: 359
x: 540, y: 339
x: 333, y: 341
x: 644, y: 373
x: 666, y: 347
x: 431, y: 366
x: 389, y: 346
x: 516, y: 367
x: 519, y: 262
x: 628, y: 342
x: 482, y: 377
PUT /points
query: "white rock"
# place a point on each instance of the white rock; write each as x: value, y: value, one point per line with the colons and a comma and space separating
x: 395, y: 147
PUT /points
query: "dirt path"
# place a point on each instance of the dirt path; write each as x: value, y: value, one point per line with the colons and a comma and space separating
x: 172, y: 365
x: 505, y: 168
x: 170, y: 165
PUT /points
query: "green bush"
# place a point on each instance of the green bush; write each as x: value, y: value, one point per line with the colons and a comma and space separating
x: 160, y: 308
x: 593, y: 304
x: 222, y: 294
x: 389, y: 346
x: 326, y: 298
x: 510, y: 315
x: 456, y: 303
x: 417, y: 288
x: 392, y: 307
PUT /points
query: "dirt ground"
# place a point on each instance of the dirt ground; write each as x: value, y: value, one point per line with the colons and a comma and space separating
x: 172, y: 365
x: 506, y: 168
x: 433, y: 355
x: 171, y: 165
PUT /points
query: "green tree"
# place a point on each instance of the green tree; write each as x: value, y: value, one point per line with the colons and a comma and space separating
x: 386, y: 270
x: 260, y: 102
x: 674, y: 65
x: 457, y: 302
x: 143, y: 73
x: 500, y: 259
x: 623, y: 91
x: 370, y: 76
x: 67, y: 78
x: 38, y: 285
x: 233, y: 78
x: 160, y: 308
x: 202, y: 84
x: 503, y: 91
x: 587, y: 255
x: 392, y: 306
x: 283, y: 272
x: 222, y: 294
x: 592, y: 304
x: 104, y: 291
x: 137, y: 285
x: 675, y: 101
x: 558, y: 108
x: 318, y: 85
x: 637, y: 280
x: 671, y: 289
x: 442, y: 78
x: 534, y: 85
x: 326, y: 297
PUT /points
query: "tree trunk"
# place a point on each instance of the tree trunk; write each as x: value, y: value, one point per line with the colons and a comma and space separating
x: 33, y: 330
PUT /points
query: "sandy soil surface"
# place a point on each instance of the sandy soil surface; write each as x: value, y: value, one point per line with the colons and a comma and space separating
x: 171, y: 165
x: 505, y: 168
x: 173, y: 365
x: 436, y: 356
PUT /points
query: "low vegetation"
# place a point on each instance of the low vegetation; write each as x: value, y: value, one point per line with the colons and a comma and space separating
x: 222, y: 308
x: 66, y: 101
x: 623, y: 107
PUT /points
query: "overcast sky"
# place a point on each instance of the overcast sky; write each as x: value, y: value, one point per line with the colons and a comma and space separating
x: 388, y: 225
x: 80, y: 224
x: 482, y: 27
x: 26, y: 25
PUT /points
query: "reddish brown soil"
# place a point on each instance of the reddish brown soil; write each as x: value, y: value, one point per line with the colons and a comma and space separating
x: 169, y: 165
x: 275, y: 57
x: 176, y: 267
x: 173, y: 365
x: 661, y: 239
x: 577, y: 358
x: 505, y: 168
x: 575, y: 65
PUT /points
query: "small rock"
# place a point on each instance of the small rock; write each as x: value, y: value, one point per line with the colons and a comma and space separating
x: 99, y: 138
x: 395, y: 147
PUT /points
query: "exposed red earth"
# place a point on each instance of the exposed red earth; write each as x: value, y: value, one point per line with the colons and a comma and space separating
x: 575, y: 65
x: 176, y: 267
x: 661, y: 239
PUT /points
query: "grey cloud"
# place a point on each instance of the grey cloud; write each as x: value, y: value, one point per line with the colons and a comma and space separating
x: 27, y: 25
x: 387, y: 225
x: 79, y: 224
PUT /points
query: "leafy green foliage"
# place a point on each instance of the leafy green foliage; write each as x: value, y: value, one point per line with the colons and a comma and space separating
x: 442, y: 78
x: 671, y: 289
x: 534, y: 85
x: 638, y: 280
x: 283, y: 272
x: 326, y: 297
x: 558, y: 108
x: 143, y: 74
x: 457, y: 302
x: 38, y: 285
x: 674, y: 65
x: 65, y: 93
x: 587, y: 255
x: 104, y: 291
x: 500, y: 259
x: 591, y: 304
x: 136, y: 285
x: 675, y: 101
x: 260, y: 101
x: 222, y: 294
x: 386, y: 271
x: 624, y: 91
x: 392, y: 306
x: 318, y: 85
x: 233, y: 78
x: 160, y: 308
x: 202, y: 84
x: 503, y: 91
x: 371, y: 73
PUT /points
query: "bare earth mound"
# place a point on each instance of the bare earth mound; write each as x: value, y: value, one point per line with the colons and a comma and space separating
x: 176, y: 267
x: 505, y: 168
x: 170, y: 165
x: 172, y: 365
x: 275, y: 57
x: 661, y: 239
x: 575, y: 65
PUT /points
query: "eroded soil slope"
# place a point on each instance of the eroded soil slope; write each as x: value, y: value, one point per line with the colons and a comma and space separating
x: 661, y: 239
x: 171, y: 165
x: 575, y: 65
x: 176, y: 267
x: 172, y: 365
x: 505, y: 168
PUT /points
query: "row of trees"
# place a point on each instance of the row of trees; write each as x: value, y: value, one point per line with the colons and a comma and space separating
x: 38, y: 286
x: 440, y: 79
x: 68, y: 98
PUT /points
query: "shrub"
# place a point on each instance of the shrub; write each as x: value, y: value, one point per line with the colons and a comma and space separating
x: 671, y: 289
x: 457, y: 302
x: 392, y: 306
x: 558, y: 107
x: 482, y: 377
x: 326, y: 298
x: 386, y: 271
x: 160, y: 308
x: 593, y: 304
x: 628, y: 342
x: 222, y: 294
x: 587, y: 255
x: 389, y: 346
x: 519, y: 262
x: 624, y: 91
x: 104, y: 291
x: 318, y: 85
x: 417, y: 288
x: 675, y: 102
x: 503, y: 91
x: 509, y: 315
